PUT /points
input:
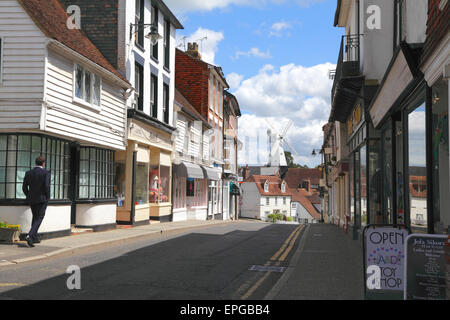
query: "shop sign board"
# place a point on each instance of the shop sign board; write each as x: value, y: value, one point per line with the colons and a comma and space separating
x: 425, y: 271
x: 384, y: 261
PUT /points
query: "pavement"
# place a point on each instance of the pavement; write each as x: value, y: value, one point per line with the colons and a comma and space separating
x: 327, y: 265
x: 19, y: 252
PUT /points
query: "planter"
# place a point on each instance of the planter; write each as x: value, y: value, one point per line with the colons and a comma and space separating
x: 9, y: 235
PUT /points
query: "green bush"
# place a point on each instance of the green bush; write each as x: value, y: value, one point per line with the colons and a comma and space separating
x: 290, y: 219
x: 273, y: 217
x: 280, y: 217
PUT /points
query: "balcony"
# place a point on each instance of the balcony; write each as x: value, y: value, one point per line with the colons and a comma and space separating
x: 348, y: 79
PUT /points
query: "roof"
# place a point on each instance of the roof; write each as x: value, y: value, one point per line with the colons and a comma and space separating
x: 230, y: 96
x: 301, y: 196
x: 188, y: 108
x: 51, y: 18
x: 296, y: 176
x: 274, y: 185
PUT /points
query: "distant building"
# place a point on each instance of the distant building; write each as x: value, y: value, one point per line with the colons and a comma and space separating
x: 264, y: 195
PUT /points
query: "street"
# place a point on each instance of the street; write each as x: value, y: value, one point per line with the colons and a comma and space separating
x: 208, y: 264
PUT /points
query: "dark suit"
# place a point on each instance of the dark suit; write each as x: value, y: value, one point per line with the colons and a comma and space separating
x: 36, y: 187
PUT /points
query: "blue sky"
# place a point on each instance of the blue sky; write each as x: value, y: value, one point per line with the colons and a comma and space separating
x: 276, y: 55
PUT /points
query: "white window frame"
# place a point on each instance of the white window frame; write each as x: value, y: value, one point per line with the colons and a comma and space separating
x: 267, y: 201
x: 266, y: 187
x: 81, y: 101
x: 283, y: 187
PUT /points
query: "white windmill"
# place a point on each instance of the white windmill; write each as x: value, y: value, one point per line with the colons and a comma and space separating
x: 277, y: 157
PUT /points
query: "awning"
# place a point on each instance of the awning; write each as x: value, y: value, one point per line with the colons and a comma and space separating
x: 212, y: 173
x: 189, y: 170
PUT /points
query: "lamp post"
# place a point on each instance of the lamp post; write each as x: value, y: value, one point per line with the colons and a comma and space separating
x: 153, y: 35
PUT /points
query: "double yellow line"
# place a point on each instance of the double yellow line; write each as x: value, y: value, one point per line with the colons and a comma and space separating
x: 276, y: 259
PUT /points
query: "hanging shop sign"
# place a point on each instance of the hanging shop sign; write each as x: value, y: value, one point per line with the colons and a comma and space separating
x: 425, y: 271
x: 384, y: 261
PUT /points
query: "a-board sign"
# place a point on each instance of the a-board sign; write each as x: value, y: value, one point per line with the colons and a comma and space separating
x: 384, y: 261
x: 425, y: 271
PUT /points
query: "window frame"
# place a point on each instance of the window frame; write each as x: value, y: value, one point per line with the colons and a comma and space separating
x: 58, y: 159
x: 82, y: 100
x: 154, y: 95
x: 108, y: 194
x: 141, y: 80
x: 139, y: 20
x: 166, y: 103
x: 154, y: 21
x: 167, y: 44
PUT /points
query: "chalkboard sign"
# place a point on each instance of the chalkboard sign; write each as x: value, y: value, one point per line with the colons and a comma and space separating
x: 384, y: 261
x: 425, y: 272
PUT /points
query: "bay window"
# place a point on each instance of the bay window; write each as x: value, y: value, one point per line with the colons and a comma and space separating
x: 159, y: 184
x: 96, y: 179
x: 17, y: 156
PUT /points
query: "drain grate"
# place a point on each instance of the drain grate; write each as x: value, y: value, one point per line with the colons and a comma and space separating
x: 267, y: 268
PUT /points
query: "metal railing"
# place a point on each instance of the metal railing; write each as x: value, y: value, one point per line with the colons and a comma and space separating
x: 349, y: 53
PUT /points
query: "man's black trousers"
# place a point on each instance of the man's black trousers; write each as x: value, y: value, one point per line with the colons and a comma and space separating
x: 38, y: 211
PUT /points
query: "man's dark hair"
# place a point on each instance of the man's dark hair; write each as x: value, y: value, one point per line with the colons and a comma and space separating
x: 40, y: 161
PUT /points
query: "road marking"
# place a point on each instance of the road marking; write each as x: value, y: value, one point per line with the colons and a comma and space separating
x: 275, y: 260
x: 291, y: 245
x: 11, y: 285
x: 278, y: 253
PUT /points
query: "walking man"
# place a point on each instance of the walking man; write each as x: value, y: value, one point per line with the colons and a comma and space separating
x: 36, y: 187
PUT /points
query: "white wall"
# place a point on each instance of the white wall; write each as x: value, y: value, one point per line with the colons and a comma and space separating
x: 127, y: 53
x: 272, y: 206
x: 105, y: 128
x: 57, y: 218
x: 89, y: 215
x: 301, y: 212
x: 23, y: 65
x: 251, y: 201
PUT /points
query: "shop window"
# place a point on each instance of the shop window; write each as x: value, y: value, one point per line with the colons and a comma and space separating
x: 363, y: 186
x: 417, y: 163
x: 357, y: 171
x: 119, y: 183
x: 96, y: 174
x: 375, y: 182
x: 387, y: 176
x: 440, y: 157
x: 190, y: 188
x: 141, y: 183
x: 352, y: 188
x: 159, y: 181
x: 17, y: 156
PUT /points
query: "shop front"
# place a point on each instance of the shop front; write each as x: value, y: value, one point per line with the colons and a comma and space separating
x: 415, y: 148
x: 214, y: 178
x: 190, y: 198
x: 143, y: 176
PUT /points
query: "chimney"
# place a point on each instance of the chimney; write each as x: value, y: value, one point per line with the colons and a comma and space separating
x: 193, y: 50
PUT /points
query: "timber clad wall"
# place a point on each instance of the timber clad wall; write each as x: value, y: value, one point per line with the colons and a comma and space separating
x: 191, y: 78
x: 101, y: 29
x: 437, y: 27
x: 23, y: 64
x: 81, y: 122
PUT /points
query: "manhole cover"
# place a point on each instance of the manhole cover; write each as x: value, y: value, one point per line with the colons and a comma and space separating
x: 267, y: 269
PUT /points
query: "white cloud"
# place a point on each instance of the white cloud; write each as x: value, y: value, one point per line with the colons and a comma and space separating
x: 207, y: 47
x: 278, y: 27
x: 234, y: 80
x: 183, y: 6
x: 292, y: 92
x: 253, y: 52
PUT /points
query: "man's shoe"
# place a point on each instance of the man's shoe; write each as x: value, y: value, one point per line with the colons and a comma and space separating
x: 29, y: 242
x: 36, y: 240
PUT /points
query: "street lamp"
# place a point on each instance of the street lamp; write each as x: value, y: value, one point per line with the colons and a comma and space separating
x: 314, y: 152
x: 153, y: 35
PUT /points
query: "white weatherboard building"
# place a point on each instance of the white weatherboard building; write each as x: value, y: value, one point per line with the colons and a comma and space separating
x: 265, y: 195
x: 59, y: 98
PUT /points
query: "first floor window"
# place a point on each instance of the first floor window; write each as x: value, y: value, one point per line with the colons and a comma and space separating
x: 154, y: 96
x: 267, y: 201
x: 96, y: 174
x: 87, y: 86
x: 166, y: 104
x: 139, y: 84
x: 17, y: 156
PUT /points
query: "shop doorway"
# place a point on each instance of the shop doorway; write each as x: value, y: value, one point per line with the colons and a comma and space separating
x: 73, y: 178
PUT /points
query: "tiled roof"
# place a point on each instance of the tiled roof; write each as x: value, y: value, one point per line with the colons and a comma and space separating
x: 51, y: 18
x: 295, y: 176
x: 301, y: 196
x: 274, y: 185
